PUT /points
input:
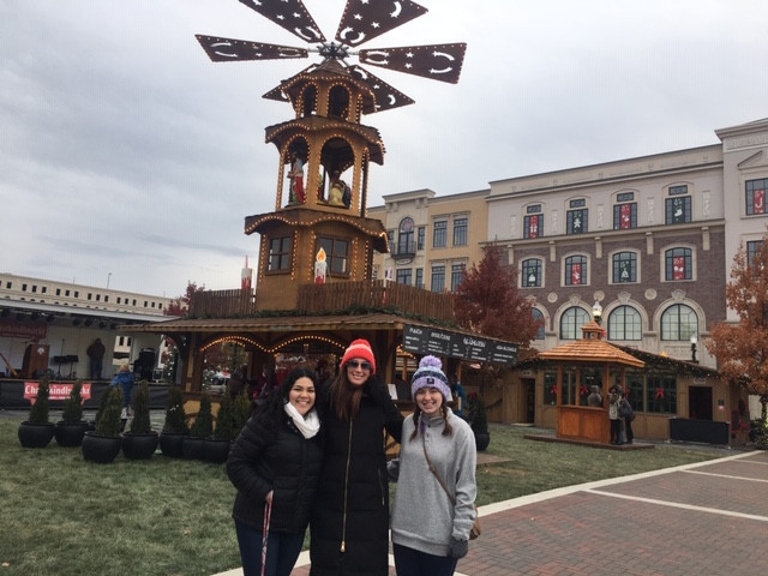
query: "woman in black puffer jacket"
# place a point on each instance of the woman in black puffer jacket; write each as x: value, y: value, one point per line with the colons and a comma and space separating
x: 349, y: 531
x: 277, y: 458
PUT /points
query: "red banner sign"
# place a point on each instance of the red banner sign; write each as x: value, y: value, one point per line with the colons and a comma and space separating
x: 56, y: 391
x: 12, y: 329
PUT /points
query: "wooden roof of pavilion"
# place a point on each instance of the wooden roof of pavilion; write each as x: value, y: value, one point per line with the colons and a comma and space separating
x: 591, y: 349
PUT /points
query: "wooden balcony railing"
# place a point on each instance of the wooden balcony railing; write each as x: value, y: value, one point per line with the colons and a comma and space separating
x: 332, y: 297
x: 375, y: 294
x: 223, y: 303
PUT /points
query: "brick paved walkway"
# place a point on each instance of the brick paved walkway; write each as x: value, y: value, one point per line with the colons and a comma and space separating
x: 701, y: 519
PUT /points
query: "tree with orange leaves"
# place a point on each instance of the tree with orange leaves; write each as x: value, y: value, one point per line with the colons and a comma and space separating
x: 742, y: 349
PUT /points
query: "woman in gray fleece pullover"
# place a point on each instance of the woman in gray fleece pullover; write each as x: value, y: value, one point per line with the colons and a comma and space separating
x: 429, y: 532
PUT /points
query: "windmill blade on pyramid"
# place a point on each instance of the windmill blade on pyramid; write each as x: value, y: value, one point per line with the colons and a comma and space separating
x: 361, y: 21
x: 230, y: 50
x: 439, y: 61
x: 364, y: 20
x: 291, y: 15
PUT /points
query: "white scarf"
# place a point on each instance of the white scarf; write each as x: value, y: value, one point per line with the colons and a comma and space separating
x: 308, y: 425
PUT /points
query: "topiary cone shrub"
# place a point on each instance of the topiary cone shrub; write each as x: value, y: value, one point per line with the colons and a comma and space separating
x: 141, y: 423
x: 40, y: 410
x: 175, y: 417
x: 73, y: 405
x: 108, y: 423
x: 202, y: 427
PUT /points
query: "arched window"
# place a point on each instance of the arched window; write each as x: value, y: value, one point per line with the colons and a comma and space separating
x: 538, y: 317
x: 571, y: 322
x: 679, y: 322
x: 625, y: 323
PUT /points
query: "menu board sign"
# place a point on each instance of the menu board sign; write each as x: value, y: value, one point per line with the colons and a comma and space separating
x: 426, y: 340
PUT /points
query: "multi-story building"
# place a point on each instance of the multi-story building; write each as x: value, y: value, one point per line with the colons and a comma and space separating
x: 431, y: 239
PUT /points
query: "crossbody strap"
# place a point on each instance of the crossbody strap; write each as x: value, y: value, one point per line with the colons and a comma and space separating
x: 432, y: 469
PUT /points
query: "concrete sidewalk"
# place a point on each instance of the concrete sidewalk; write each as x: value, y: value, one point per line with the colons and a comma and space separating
x: 705, y: 518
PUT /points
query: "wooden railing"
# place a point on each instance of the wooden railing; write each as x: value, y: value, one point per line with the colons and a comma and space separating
x: 332, y: 297
x: 223, y: 303
x: 375, y: 294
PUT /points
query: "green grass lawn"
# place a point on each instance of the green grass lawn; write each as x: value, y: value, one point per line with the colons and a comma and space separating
x: 166, y: 517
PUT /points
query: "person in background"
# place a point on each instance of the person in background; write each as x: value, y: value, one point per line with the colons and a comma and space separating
x: 96, y: 358
x: 433, y: 511
x: 627, y: 415
x: 349, y: 528
x: 595, y: 399
x: 275, y: 462
x: 125, y: 379
x: 459, y: 396
x: 613, y: 415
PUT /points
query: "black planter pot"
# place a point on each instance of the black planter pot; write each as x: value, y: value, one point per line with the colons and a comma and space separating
x: 171, y: 444
x: 193, y: 448
x: 70, y: 434
x: 36, y: 435
x: 100, y: 449
x: 140, y: 446
x: 482, y: 439
x: 216, y: 451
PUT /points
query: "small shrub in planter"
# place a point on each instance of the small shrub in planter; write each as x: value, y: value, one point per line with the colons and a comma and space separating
x: 193, y: 445
x: 176, y: 427
x: 71, y: 428
x: 243, y: 410
x: 103, y: 444
x: 140, y: 442
x: 217, y: 448
x: 38, y: 430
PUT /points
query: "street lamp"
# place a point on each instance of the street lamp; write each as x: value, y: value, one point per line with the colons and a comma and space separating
x: 694, y: 341
x: 108, y: 278
x: 597, y: 312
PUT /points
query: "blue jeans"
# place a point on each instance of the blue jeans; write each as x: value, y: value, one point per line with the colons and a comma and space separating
x: 410, y: 562
x: 283, y: 548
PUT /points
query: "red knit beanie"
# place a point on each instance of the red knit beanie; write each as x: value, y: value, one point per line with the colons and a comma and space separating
x: 360, y: 348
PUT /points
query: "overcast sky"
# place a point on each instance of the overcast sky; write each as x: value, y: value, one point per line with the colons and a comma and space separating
x: 127, y: 157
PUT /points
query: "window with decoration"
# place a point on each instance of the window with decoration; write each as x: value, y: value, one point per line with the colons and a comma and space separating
x: 661, y: 394
x: 678, y: 205
x: 575, y: 271
x: 755, y: 196
x: 577, y: 217
x: 625, y: 323
x: 531, y: 272
x: 280, y: 254
x: 533, y: 222
x: 624, y: 267
x: 625, y: 211
x: 678, y: 264
x: 550, y: 388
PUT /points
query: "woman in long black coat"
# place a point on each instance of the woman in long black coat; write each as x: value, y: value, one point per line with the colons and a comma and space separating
x: 276, y: 459
x: 349, y: 529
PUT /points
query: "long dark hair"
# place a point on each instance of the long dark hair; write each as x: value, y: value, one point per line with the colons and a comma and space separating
x: 344, y: 397
x: 271, y: 411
